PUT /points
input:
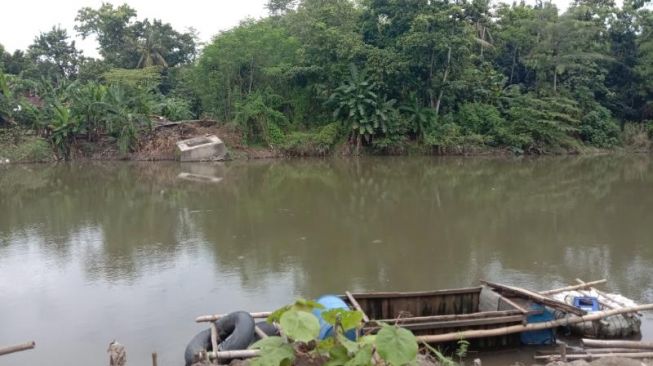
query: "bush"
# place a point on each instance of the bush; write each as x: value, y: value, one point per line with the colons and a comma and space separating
x: 258, y: 117
x: 599, y: 129
x: 16, y: 146
x: 319, y: 143
x: 637, y: 136
x: 481, y: 119
x: 174, y: 109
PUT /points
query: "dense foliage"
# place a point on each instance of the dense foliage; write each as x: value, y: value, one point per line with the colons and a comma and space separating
x: 385, y: 75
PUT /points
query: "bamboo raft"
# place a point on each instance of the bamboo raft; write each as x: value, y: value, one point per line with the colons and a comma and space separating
x: 489, y: 316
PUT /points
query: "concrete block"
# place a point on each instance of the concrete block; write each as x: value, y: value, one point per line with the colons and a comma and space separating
x: 204, y: 148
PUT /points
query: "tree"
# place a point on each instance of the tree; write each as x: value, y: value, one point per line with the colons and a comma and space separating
x: 55, y: 54
x: 253, y: 56
x: 128, y: 43
x: 113, y: 28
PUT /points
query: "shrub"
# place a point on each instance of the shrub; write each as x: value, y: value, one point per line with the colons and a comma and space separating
x: 318, y: 143
x: 257, y: 114
x: 599, y: 129
x: 18, y: 147
x: 174, y: 109
x: 637, y: 136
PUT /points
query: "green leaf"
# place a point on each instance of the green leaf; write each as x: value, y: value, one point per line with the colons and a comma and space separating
x: 349, y: 319
x: 395, y: 345
x: 276, y: 315
x: 300, y: 325
x: 338, y: 356
x: 368, y: 339
x: 279, y: 356
x: 268, y: 343
x: 352, y: 347
x: 362, y: 358
x: 307, y: 305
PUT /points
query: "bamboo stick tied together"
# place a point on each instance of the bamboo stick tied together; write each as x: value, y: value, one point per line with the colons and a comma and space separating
x: 481, y: 333
x: 17, y: 348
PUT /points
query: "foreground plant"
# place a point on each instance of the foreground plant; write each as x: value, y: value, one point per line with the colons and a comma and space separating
x: 393, y: 345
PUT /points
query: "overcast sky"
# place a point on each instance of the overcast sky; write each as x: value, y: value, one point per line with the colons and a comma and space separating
x: 22, y: 20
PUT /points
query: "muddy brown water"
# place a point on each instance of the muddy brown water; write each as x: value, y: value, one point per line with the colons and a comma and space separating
x: 134, y: 251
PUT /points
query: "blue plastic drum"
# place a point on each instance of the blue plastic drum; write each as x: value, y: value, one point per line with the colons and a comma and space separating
x: 331, y: 302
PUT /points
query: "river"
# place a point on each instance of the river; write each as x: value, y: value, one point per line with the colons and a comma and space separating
x: 135, y: 251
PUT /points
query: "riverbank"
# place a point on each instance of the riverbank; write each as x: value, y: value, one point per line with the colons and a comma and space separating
x: 158, y: 144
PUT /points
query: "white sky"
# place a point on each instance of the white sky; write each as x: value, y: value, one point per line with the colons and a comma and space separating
x: 23, y: 20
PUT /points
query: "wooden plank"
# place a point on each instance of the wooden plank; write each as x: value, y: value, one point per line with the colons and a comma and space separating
x: 372, y: 295
x: 17, y: 348
x: 356, y: 305
x: 617, y: 344
x: 573, y: 288
x: 513, y: 304
x: 536, y: 297
x: 470, y: 334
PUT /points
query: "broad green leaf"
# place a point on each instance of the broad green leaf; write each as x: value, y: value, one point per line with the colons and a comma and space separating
x: 276, y: 315
x: 368, y: 339
x: 350, y: 346
x: 349, y: 319
x: 306, y: 305
x: 338, y: 356
x: 279, y: 356
x: 362, y: 358
x: 300, y: 325
x: 395, y: 345
x: 268, y: 343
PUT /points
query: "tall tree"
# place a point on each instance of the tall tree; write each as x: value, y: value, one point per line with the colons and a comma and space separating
x: 113, y: 28
x: 128, y: 43
x: 55, y: 54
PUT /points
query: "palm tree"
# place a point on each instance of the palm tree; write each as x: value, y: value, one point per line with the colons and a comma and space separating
x: 151, y: 51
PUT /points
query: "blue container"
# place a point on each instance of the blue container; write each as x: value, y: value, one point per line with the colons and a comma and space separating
x: 588, y: 303
x: 539, y: 337
x: 331, y: 302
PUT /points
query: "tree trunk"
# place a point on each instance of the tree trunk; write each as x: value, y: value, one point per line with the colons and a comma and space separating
x: 514, y: 61
x: 431, y: 77
x: 444, y: 80
x: 251, y: 76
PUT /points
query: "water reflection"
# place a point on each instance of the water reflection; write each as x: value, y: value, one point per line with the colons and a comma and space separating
x: 126, y: 237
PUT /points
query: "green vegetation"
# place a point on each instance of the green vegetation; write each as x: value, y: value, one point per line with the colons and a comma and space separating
x: 300, y: 342
x: 377, y: 75
x: 394, y: 345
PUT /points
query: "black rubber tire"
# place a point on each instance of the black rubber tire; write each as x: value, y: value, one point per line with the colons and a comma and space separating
x: 236, y: 331
x: 267, y: 328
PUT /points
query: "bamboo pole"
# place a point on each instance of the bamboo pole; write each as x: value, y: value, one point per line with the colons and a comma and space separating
x: 469, y: 334
x: 214, y: 337
x: 260, y: 332
x: 613, y: 350
x: 607, y: 297
x: 574, y: 287
x: 357, y: 306
x: 17, y: 348
x: 600, y: 355
x: 226, y: 355
x: 212, y: 318
x: 617, y: 344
